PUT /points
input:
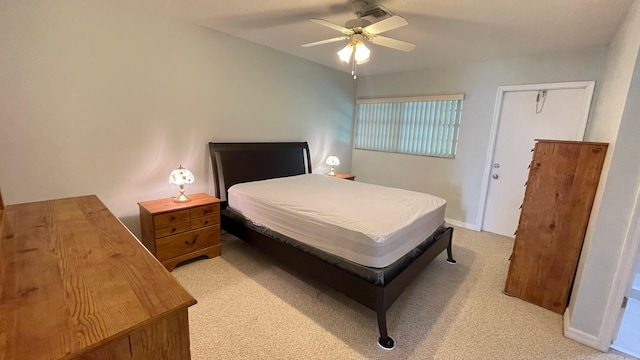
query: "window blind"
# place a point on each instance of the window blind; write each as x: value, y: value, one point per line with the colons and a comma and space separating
x: 418, y: 125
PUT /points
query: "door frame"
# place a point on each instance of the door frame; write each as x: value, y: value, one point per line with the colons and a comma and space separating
x: 622, y: 280
x: 587, y: 86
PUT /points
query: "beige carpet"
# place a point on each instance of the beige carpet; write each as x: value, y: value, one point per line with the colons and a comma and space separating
x: 248, y: 308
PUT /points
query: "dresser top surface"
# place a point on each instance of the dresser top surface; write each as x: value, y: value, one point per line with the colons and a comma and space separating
x: 571, y: 142
x: 72, y: 277
x: 168, y: 204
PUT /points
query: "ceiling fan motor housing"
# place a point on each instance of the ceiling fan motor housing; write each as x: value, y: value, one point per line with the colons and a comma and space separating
x: 359, y: 7
x: 357, y: 23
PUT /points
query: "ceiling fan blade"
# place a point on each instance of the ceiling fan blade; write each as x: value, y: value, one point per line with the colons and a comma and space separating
x: 391, y: 23
x: 331, y: 25
x: 325, y: 41
x: 392, y: 43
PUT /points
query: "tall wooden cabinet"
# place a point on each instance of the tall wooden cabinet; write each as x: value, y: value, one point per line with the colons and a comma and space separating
x: 562, y: 183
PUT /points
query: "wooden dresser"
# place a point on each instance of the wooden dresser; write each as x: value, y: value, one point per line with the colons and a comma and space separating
x: 1, y: 206
x: 345, y: 176
x: 76, y: 284
x: 562, y: 183
x: 175, y: 232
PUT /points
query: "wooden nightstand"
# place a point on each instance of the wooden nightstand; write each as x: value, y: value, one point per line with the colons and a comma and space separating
x: 345, y: 176
x: 174, y: 232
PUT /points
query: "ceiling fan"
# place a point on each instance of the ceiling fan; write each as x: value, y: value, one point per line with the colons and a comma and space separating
x: 363, y: 29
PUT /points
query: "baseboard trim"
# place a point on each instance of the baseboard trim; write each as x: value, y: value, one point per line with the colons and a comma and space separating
x: 462, y: 224
x: 626, y: 351
x: 581, y: 336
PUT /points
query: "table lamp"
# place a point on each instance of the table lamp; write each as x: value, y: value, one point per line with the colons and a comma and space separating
x: 181, y: 176
x: 333, y: 161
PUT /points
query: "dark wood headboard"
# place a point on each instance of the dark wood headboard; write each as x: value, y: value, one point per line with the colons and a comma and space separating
x: 234, y: 163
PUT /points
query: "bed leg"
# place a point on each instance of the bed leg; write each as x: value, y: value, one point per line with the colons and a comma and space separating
x: 385, y: 341
x: 449, y: 255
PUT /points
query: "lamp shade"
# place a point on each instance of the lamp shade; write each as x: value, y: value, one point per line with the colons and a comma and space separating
x: 345, y: 53
x: 181, y: 177
x: 362, y: 53
x: 333, y: 160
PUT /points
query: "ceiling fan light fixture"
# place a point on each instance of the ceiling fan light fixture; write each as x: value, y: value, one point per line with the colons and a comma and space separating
x: 356, y: 50
x: 362, y: 53
x: 371, y: 20
x: 345, y: 53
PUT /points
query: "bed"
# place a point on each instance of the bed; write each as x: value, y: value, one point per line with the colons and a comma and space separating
x: 371, y: 272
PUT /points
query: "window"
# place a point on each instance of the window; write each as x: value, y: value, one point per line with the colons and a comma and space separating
x: 425, y: 125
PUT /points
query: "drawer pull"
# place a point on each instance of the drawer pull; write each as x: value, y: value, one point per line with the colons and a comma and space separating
x: 206, y: 222
x: 173, y: 229
x: 173, y: 218
x: 192, y: 242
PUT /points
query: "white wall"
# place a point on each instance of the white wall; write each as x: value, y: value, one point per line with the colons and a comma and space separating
x: 100, y: 98
x: 616, y: 120
x: 459, y: 181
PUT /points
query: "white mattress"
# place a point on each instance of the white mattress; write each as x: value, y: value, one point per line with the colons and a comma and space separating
x: 368, y: 224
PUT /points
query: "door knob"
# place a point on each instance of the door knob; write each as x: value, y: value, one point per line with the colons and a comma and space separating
x: 495, y: 176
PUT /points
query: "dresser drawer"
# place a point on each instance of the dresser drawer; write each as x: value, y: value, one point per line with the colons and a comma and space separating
x: 204, y: 221
x: 172, y: 229
x: 207, y: 210
x: 184, y: 243
x: 173, y: 217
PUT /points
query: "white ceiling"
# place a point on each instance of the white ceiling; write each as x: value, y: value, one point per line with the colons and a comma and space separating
x: 445, y: 31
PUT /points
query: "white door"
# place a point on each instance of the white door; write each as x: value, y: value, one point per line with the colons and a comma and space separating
x: 525, y: 116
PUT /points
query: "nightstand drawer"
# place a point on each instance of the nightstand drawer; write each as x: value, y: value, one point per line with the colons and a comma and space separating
x: 207, y: 210
x: 184, y: 243
x: 161, y: 220
x: 204, y: 221
x: 172, y: 229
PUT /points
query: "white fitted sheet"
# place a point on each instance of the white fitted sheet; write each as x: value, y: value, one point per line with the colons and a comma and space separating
x: 368, y: 224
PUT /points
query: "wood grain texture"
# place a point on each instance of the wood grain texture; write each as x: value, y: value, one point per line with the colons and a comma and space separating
x: 181, y: 231
x: 212, y: 210
x: 197, y: 223
x: 345, y: 176
x: 167, y: 205
x: 165, y: 338
x: 561, y: 187
x: 209, y: 252
x: 181, y: 244
x: 1, y: 206
x: 73, y: 279
x: 159, y: 340
x: 169, y: 218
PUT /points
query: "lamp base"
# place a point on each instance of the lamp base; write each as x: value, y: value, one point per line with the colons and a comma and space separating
x: 182, y: 197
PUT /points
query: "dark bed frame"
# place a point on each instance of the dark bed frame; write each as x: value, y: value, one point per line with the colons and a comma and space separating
x: 235, y: 163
